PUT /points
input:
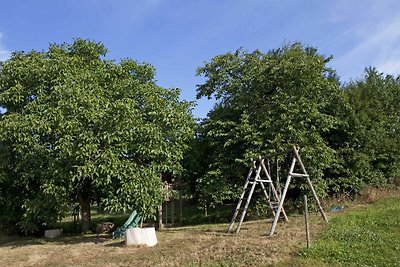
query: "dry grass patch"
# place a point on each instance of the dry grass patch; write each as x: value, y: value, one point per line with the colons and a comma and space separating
x: 206, y: 245
x: 203, y: 245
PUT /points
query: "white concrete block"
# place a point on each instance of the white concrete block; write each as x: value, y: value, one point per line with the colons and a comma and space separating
x: 141, y: 236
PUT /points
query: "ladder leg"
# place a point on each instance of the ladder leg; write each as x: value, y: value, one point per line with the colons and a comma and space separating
x: 273, y: 190
x: 296, y: 152
x: 267, y: 197
x: 240, y: 202
x: 278, y: 199
x: 248, y: 198
x: 317, y: 200
x: 235, y: 214
x: 272, y: 230
x: 245, y: 207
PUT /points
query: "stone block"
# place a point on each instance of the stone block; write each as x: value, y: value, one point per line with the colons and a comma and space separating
x: 53, y: 233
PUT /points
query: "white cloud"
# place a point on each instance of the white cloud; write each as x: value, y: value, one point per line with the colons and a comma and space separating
x: 378, y: 46
x: 4, y: 53
x: 391, y: 66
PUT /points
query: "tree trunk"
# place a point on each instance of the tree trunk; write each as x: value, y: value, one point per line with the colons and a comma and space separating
x: 180, y: 200
x: 84, y: 202
x: 159, y: 223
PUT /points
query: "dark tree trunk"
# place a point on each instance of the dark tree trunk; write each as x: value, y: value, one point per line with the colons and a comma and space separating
x: 159, y: 223
x: 84, y: 202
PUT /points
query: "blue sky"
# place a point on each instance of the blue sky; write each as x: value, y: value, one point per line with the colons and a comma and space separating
x: 177, y: 36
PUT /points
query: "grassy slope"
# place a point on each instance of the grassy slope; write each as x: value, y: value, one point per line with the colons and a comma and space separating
x: 369, y: 236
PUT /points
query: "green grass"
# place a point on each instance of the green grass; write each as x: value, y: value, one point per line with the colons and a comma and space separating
x: 67, y: 224
x: 191, y: 215
x: 361, y: 235
x: 369, y: 236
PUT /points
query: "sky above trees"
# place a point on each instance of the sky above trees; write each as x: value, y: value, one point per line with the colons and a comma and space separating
x: 178, y: 36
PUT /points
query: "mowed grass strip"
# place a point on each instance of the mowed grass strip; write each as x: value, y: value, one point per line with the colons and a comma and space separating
x: 369, y: 236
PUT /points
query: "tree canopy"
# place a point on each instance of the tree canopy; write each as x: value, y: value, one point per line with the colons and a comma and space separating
x: 375, y: 100
x: 78, y: 127
x: 349, y: 134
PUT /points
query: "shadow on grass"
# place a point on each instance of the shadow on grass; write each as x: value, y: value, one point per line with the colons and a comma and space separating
x: 192, y: 218
x: 16, y: 241
x: 118, y: 244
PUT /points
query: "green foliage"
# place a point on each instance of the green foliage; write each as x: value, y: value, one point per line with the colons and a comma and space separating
x: 77, y: 124
x: 376, y: 140
x: 216, y: 181
x: 365, y: 237
x: 266, y: 103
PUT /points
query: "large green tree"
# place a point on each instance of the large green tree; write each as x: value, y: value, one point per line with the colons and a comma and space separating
x: 375, y: 100
x: 77, y: 127
x: 266, y: 102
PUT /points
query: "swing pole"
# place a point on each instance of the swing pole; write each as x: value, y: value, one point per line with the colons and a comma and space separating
x: 297, y: 156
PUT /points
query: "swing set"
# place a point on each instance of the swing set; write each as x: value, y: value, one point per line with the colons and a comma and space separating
x: 261, y: 173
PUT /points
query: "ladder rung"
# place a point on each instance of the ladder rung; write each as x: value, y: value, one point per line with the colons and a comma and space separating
x: 298, y: 174
x: 264, y: 181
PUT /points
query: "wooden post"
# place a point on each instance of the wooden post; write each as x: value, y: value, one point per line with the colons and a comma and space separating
x: 172, y: 211
x: 166, y: 213
x: 180, y: 199
x: 306, y: 221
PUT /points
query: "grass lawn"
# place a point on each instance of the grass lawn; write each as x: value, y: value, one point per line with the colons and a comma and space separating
x: 202, y: 245
x: 366, y: 235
